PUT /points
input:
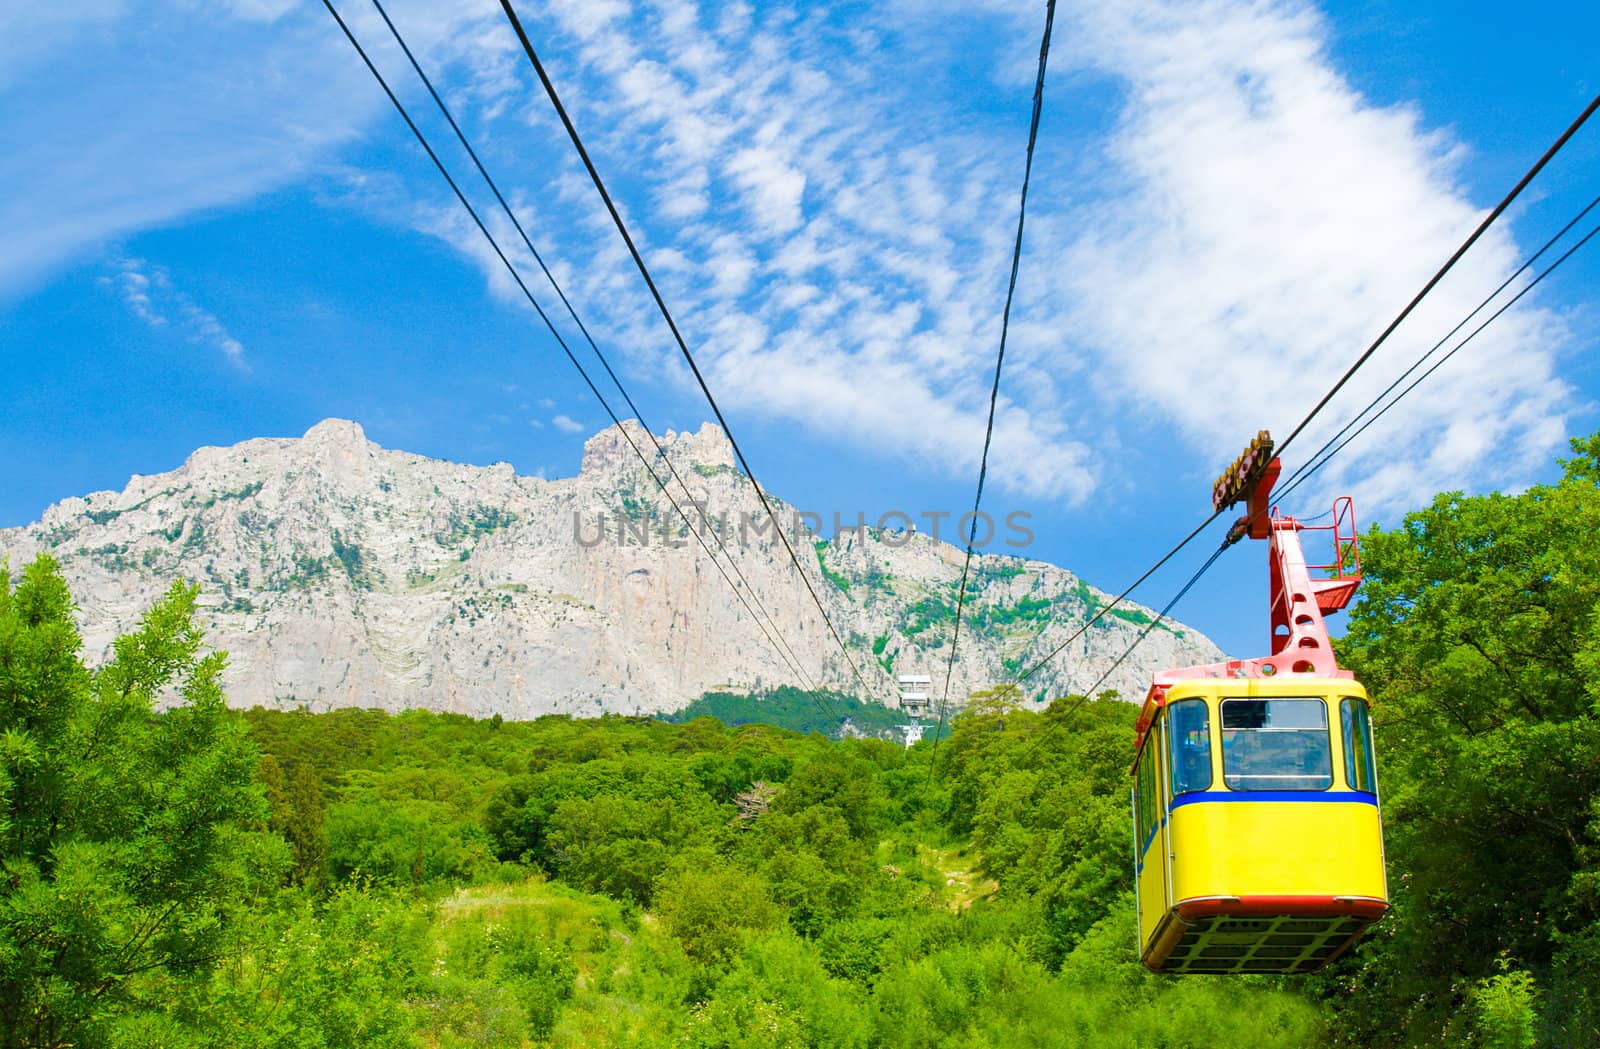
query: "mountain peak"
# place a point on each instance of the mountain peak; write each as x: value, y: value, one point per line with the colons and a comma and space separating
x: 609, y: 449
x: 707, y: 447
x: 337, y: 431
x: 339, y: 573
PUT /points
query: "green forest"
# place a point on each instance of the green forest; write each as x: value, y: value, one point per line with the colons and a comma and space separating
x: 830, y: 713
x: 175, y: 873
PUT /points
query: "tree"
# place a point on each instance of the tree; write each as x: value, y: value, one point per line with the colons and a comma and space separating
x: 125, y: 840
x: 1478, y: 636
x: 714, y: 909
x: 298, y: 812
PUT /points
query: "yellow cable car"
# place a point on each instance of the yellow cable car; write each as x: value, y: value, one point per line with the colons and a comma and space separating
x: 1258, y: 840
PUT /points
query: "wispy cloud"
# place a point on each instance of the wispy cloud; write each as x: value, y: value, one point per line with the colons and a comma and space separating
x: 1268, y: 223
x: 836, y: 244
x: 149, y: 293
x: 820, y: 257
x: 830, y: 215
x: 204, y: 327
x: 134, y: 286
x: 567, y: 425
x: 232, y: 101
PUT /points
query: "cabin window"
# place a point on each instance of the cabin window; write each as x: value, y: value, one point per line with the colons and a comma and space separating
x: 1276, y: 744
x: 1191, y: 745
x: 1356, y: 720
x: 1146, y: 802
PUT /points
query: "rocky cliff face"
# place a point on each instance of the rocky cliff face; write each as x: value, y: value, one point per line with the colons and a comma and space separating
x: 338, y: 573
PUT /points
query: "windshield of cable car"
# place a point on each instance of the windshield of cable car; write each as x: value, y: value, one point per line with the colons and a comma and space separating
x: 1276, y: 744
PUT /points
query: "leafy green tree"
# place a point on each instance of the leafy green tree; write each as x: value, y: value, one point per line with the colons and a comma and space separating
x: 779, y: 997
x: 839, y: 781
x: 296, y: 808
x: 607, y: 825
x: 516, y: 831
x: 125, y: 849
x: 1044, y: 798
x: 1504, y: 1010
x: 345, y: 972
x: 1479, y: 637
x: 615, y: 844
x: 393, y: 843
x: 817, y: 870
x: 304, y: 829
x: 714, y: 910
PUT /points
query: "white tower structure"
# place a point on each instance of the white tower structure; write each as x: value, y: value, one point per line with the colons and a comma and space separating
x: 914, y: 693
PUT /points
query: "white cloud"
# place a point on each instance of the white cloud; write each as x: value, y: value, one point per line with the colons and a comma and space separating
x: 567, y: 425
x: 1271, y: 224
x: 204, y: 327
x: 830, y: 215
x: 772, y: 187
x: 149, y: 293
x: 1248, y: 226
x: 813, y: 269
x: 134, y: 287
x: 160, y: 129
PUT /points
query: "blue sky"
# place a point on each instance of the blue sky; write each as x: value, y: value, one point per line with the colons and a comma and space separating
x: 217, y: 228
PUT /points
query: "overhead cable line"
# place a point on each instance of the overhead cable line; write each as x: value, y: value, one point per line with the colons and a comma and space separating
x: 1449, y: 264
x: 776, y: 634
x: 1488, y: 220
x: 1115, y: 601
x: 517, y: 277
x: 999, y: 362
x: 1311, y: 467
x: 683, y: 346
x: 1515, y: 191
x: 1161, y: 616
x: 1316, y: 462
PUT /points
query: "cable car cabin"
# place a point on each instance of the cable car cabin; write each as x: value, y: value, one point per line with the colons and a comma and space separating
x: 1260, y: 847
x: 1258, y: 840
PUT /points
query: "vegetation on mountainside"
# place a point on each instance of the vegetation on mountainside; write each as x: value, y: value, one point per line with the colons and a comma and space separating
x: 834, y: 714
x: 201, y: 877
x: 821, y: 546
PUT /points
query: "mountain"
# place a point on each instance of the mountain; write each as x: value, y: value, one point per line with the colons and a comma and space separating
x: 338, y: 573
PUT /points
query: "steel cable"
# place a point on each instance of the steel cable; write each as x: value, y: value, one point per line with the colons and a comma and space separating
x: 672, y: 325
x: 815, y: 694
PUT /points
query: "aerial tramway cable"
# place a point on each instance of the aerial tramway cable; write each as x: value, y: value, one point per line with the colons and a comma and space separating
x: 1166, y: 609
x: 999, y: 362
x: 825, y: 708
x: 683, y: 346
x: 775, y: 636
x: 1306, y: 471
x: 1301, y: 475
x: 1488, y: 220
x: 1339, y: 441
x: 1449, y: 264
x: 1315, y: 464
